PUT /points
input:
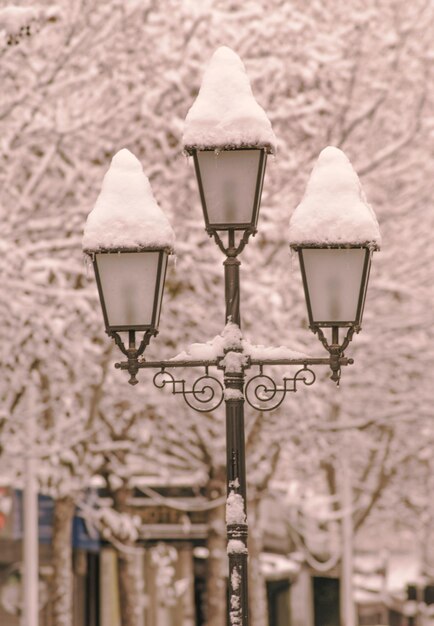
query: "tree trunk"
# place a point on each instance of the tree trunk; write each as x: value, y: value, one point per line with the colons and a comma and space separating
x: 63, y: 579
x: 258, y: 613
x: 127, y: 568
x: 217, y: 564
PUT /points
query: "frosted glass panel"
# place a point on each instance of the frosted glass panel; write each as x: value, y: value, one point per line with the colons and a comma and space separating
x: 334, y: 279
x: 229, y: 180
x: 128, y: 281
x: 160, y: 291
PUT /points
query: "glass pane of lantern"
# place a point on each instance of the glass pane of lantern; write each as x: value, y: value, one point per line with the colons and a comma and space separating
x: 161, y: 287
x: 229, y: 180
x: 334, y: 279
x: 128, y: 281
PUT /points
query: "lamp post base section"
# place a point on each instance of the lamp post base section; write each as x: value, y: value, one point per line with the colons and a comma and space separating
x: 236, y: 508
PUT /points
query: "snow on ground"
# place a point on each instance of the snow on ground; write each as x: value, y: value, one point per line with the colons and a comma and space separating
x: 334, y: 209
x: 126, y: 214
x: 225, y: 113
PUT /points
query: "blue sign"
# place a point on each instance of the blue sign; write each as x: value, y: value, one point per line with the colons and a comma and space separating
x: 84, y: 535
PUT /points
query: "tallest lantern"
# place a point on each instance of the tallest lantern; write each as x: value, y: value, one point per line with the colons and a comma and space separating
x: 229, y: 136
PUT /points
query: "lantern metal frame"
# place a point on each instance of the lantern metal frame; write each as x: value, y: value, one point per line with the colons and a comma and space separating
x: 159, y: 289
x: 248, y: 227
x: 132, y: 351
x: 362, y: 291
x: 336, y: 346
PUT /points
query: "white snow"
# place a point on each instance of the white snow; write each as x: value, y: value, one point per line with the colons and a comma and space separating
x: 19, y: 21
x: 233, y: 394
x: 235, y: 579
x: 225, y: 113
x: 126, y: 214
x: 235, y: 546
x: 231, y: 339
x: 211, y: 350
x: 235, y: 509
x: 278, y: 353
x: 334, y: 209
x: 13, y: 18
x: 234, y: 361
x: 402, y: 570
x: 278, y: 566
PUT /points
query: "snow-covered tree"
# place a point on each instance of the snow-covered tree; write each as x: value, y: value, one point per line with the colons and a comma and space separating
x: 109, y: 75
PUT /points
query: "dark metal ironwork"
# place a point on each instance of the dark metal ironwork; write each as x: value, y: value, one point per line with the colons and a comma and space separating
x: 362, y: 293
x: 263, y: 394
x: 233, y: 249
x: 132, y: 353
x: 336, y: 349
x: 232, y: 289
x: 211, y: 228
x: 206, y: 391
x: 158, y: 292
x: 306, y: 363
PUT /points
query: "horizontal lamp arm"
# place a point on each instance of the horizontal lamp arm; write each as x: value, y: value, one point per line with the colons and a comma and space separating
x: 308, y: 361
x: 335, y: 362
x: 249, y: 363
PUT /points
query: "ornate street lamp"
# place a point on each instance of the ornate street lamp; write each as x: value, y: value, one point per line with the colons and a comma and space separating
x: 229, y: 136
x: 335, y: 232
x: 128, y: 238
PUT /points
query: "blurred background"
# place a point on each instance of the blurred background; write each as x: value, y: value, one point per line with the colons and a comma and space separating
x: 132, y: 482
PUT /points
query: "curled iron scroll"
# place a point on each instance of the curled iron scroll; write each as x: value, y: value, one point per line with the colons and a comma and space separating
x: 263, y: 393
x: 206, y: 393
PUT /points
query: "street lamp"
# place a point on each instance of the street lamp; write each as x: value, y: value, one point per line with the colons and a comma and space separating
x: 229, y: 137
x: 128, y: 240
x: 334, y: 231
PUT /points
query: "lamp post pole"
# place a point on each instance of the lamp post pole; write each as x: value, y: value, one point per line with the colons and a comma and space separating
x: 236, y: 520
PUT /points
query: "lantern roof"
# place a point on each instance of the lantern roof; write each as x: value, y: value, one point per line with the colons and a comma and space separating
x: 126, y: 215
x: 225, y: 113
x: 334, y: 209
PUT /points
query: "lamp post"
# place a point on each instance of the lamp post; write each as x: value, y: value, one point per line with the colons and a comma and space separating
x: 130, y: 261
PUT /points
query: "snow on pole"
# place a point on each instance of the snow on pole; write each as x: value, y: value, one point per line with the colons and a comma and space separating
x: 126, y: 215
x: 225, y: 113
x: 334, y: 209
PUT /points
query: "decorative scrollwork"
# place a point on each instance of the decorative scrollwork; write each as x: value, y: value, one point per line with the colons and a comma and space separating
x: 206, y: 393
x: 263, y: 394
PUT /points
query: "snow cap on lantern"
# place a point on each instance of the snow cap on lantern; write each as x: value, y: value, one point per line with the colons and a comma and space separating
x: 225, y: 114
x: 334, y: 210
x: 126, y: 215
